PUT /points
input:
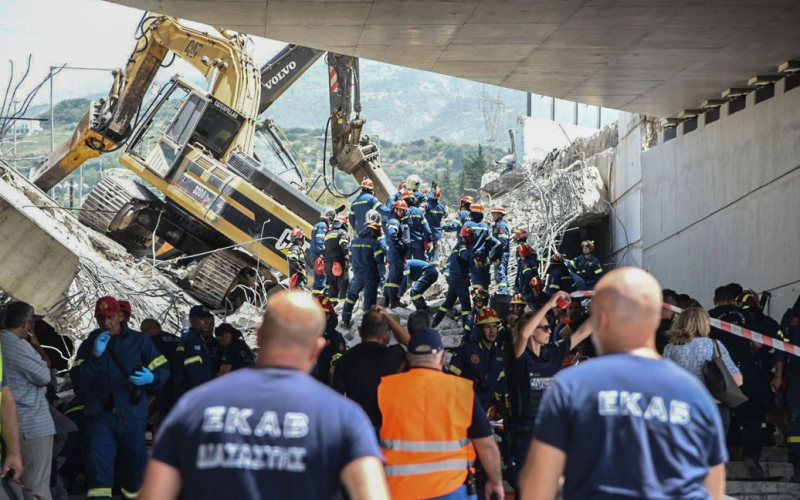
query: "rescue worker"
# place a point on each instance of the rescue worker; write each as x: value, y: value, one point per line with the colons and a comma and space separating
x: 395, y: 197
x: 363, y: 203
x: 518, y: 304
x: 413, y: 184
x: 537, y: 297
x: 755, y: 365
x: 368, y: 260
x: 396, y: 254
x: 463, y: 215
x: 435, y: 212
x: 521, y: 237
x: 481, y: 360
x: 536, y: 361
x: 423, y: 275
x: 298, y: 276
x: 790, y: 366
x: 483, y: 249
x: 193, y: 366
x: 318, y: 249
x: 558, y: 276
x: 527, y: 267
x: 167, y: 344
x: 419, y: 232
x: 502, y: 233
x: 587, y: 266
x: 440, y: 411
x: 480, y: 299
x: 114, y: 367
x: 335, y: 344
x: 337, y: 249
x: 457, y: 278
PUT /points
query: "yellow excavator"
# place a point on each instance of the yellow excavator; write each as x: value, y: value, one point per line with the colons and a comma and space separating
x: 200, y: 150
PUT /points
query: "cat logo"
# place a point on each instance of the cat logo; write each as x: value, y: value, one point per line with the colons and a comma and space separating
x: 192, y: 48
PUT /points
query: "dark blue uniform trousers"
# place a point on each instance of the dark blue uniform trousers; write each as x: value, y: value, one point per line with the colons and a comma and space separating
x: 455, y: 291
x: 370, y: 286
x: 110, y: 437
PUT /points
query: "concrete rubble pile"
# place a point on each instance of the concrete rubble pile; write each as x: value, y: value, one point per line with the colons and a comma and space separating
x: 103, y: 267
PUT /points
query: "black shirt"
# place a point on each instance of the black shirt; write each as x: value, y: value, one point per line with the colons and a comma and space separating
x: 741, y: 349
x: 237, y: 355
x: 532, y: 376
x: 214, y: 353
x: 661, y: 335
x: 359, y: 371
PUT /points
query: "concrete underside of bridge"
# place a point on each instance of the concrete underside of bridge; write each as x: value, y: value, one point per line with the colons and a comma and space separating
x: 643, y: 56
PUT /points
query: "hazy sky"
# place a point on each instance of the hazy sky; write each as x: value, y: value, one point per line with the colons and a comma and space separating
x: 86, y: 33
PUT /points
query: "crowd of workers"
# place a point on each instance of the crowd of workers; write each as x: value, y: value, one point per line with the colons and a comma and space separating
x: 415, y: 421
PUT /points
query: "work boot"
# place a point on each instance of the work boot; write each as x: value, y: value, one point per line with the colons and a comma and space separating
x: 345, y: 324
x: 753, y: 468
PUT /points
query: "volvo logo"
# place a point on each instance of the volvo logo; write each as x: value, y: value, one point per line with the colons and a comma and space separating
x: 281, y: 75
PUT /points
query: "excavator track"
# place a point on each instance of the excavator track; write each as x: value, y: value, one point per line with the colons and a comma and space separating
x: 215, y: 274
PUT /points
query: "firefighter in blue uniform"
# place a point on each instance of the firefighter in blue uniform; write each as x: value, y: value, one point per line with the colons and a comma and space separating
x: 167, y: 344
x: 528, y: 267
x: 502, y: 233
x: 435, y: 212
x: 419, y: 232
x: 193, y: 366
x: 318, y: 247
x: 457, y: 278
x: 395, y: 197
x: 368, y: 260
x: 298, y: 275
x: 535, y: 294
x: 423, y: 275
x: 337, y: 252
x: 413, y: 183
x: 484, y: 249
x: 558, y: 277
x: 480, y: 299
x: 396, y: 254
x: 481, y: 360
x: 363, y: 203
x: 335, y: 345
x: 462, y: 217
x: 788, y: 366
x: 518, y: 305
x: 113, y: 369
x: 587, y: 266
x: 521, y: 237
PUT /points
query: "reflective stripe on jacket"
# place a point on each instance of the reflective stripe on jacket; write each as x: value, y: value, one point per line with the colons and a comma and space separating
x: 431, y: 460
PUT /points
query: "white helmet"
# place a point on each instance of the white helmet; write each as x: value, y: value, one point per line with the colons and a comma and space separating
x: 373, y: 217
x: 328, y: 213
x: 413, y: 182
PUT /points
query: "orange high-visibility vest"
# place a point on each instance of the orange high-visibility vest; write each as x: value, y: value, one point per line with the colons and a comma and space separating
x: 426, y: 414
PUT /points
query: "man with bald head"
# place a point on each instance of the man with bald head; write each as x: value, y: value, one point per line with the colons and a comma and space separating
x: 627, y: 424
x: 271, y: 431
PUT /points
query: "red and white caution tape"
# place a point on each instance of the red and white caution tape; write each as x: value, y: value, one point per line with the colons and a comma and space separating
x: 728, y: 327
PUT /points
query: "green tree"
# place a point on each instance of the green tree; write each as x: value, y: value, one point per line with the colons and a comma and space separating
x: 449, y: 186
x: 474, y: 168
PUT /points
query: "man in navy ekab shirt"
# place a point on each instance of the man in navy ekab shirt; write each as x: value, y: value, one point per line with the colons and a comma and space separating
x: 271, y: 431
x: 627, y: 424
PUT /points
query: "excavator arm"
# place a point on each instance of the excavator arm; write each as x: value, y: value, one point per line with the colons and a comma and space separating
x: 222, y: 60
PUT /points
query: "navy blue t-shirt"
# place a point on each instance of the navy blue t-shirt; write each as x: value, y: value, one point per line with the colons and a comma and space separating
x: 264, y: 433
x: 632, y: 427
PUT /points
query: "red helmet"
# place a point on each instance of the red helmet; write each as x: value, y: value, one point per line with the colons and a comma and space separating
x: 476, y: 208
x: 480, y: 293
x: 498, y: 210
x: 557, y: 258
x: 588, y: 243
x: 537, y: 284
x: 401, y: 204
x: 520, y: 234
x: 367, y: 184
x: 487, y: 316
x: 297, y: 234
x: 467, y: 233
x: 746, y: 300
x: 437, y: 193
x: 407, y: 195
x: 467, y: 199
x: 344, y: 220
x: 524, y: 250
x: 426, y: 190
x: 401, y: 186
x: 326, y: 304
x: 518, y: 299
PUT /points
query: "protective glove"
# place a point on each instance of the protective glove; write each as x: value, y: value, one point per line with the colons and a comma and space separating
x: 101, y: 342
x: 142, y: 377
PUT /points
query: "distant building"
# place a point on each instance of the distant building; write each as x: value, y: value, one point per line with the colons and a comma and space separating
x: 25, y: 128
